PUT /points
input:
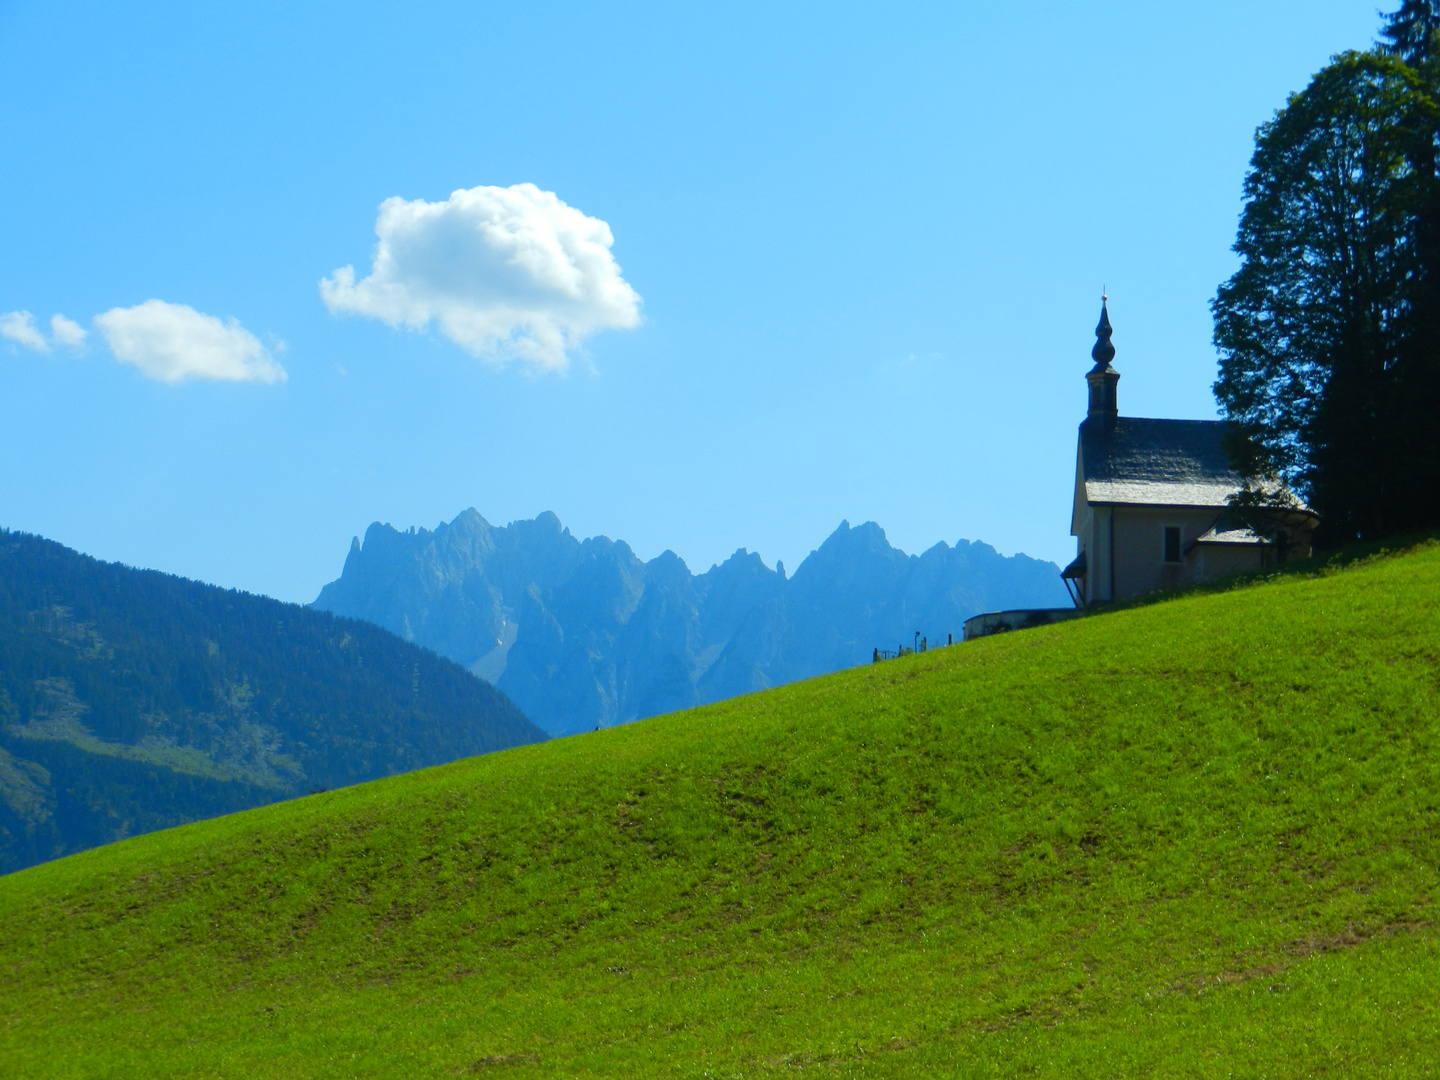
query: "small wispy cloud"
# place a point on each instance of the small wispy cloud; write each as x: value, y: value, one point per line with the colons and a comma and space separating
x: 19, y: 327
x: 174, y: 343
x: 506, y: 273
x: 67, y: 332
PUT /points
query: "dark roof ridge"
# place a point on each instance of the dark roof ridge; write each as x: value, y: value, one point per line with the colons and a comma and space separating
x: 1158, y: 420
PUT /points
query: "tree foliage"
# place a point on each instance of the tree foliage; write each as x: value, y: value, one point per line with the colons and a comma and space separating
x: 1326, y: 361
x: 1409, y: 33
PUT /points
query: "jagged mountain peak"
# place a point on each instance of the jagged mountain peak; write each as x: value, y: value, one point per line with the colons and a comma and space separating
x: 866, y: 536
x: 470, y: 519
x: 668, y: 567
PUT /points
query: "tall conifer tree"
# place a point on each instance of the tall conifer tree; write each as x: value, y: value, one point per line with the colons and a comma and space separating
x: 1412, y: 34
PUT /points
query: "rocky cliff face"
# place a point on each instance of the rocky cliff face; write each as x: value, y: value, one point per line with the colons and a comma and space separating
x: 582, y: 633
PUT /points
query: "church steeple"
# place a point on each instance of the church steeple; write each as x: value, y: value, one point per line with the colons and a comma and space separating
x: 1102, y: 377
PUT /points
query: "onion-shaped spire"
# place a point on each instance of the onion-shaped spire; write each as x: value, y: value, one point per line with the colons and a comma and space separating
x: 1103, y: 352
x: 1103, y: 378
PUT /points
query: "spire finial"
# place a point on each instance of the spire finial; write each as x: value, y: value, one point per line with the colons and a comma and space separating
x: 1103, y: 352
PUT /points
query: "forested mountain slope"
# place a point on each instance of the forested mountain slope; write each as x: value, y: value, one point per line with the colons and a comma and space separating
x: 132, y: 700
x: 582, y: 634
x: 1193, y: 839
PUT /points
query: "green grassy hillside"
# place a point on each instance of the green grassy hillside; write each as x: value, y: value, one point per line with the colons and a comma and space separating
x: 1195, y: 839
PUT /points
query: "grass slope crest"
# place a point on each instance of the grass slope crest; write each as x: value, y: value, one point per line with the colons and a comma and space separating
x: 1191, y: 839
x: 133, y: 700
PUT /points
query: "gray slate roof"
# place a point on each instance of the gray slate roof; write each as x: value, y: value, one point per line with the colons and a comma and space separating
x: 1135, y: 461
x: 1223, y: 533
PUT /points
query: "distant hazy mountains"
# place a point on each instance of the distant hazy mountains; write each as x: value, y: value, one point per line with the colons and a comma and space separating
x: 581, y: 633
x: 132, y: 700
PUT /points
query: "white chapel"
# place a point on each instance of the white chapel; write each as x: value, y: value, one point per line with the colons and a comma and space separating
x: 1151, y: 500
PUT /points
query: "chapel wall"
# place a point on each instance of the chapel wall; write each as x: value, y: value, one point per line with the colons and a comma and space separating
x: 1140, y: 565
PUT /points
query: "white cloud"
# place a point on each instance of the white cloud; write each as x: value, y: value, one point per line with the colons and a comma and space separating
x: 19, y: 327
x: 505, y: 272
x: 67, y: 332
x: 172, y: 343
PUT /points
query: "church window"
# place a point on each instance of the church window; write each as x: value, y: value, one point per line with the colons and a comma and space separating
x: 1172, y: 543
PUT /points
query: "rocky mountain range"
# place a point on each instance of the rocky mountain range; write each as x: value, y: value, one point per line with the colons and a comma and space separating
x: 582, y: 633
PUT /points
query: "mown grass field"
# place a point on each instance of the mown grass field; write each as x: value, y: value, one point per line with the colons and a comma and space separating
x: 1193, y: 839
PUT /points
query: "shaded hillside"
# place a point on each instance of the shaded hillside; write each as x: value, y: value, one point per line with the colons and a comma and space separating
x: 132, y: 700
x: 582, y: 634
x: 1193, y: 839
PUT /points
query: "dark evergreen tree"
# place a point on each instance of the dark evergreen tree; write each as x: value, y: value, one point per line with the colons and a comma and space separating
x: 1412, y: 34
x: 1313, y: 326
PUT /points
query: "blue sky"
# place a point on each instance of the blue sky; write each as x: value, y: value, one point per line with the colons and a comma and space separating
x: 863, y: 246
